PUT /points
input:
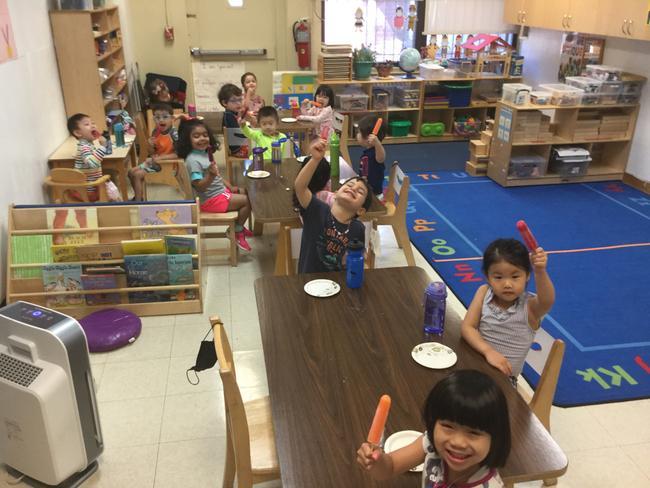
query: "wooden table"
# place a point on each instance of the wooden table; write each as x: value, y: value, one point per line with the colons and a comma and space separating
x: 117, y: 163
x: 329, y: 360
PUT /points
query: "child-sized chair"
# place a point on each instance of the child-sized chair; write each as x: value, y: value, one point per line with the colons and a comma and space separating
x: 68, y: 185
x: 168, y: 168
x: 250, y: 440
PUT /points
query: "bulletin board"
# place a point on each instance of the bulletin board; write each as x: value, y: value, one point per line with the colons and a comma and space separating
x: 7, y: 42
x: 293, y: 86
x: 209, y: 77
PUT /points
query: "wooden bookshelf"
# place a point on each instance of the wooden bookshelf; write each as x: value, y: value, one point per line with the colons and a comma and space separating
x: 115, y: 223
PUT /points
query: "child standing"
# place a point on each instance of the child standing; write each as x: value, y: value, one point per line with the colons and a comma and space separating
x: 89, y: 157
x: 268, y: 120
x: 502, y: 319
x: 161, y: 143
x: 195, y: 143
x: 230, y: 97
x: 252, y: 101
x: 371, y: 164
x: 322, y: 114
x: 467, y: 436
x: 328, y: 231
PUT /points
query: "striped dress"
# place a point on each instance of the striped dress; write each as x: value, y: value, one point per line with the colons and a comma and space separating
x: 89, y: 160
x: 507, y: 331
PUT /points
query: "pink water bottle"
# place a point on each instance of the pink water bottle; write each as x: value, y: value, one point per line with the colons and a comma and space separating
x: 191, y: 109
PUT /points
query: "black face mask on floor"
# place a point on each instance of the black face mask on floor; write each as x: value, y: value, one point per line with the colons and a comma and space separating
x: 205, y: 359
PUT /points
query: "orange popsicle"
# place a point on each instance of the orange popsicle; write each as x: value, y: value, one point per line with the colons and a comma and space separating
x: 315, y: 103
x: 379, y: 422
x: 375, y: 129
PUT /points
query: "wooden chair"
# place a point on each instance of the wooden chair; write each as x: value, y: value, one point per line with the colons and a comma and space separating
x: 398, y: 187
x: 169, y: 167
x: 228, y: 133
x: 289, y: 248
x: 344, y: 121
x: 207, y: 219
x: 67, y: 185
x: 250, y: 440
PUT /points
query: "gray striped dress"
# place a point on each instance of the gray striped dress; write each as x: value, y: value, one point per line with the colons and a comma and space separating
x: 507, y: 331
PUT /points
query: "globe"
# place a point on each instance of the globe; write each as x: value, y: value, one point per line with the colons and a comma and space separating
x: 409, y: 59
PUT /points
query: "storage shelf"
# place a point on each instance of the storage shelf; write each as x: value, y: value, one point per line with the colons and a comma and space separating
x: 597, y: 173
x: 113, y: 73
x: 114, y: 97
x: 98, y: 34
x: 566, y: 107
x: 400, y: 79
x: 108, y: 53
x: 560, y: 140
x: 376, y: 110
x: 446, y: 137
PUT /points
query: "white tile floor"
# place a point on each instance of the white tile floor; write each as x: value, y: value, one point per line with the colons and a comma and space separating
x: 161, y: 432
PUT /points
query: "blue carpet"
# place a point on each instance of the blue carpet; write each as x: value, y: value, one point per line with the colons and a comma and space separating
x: 602, y: 306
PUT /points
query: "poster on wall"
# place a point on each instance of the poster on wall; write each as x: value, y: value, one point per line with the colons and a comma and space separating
x: 7, y: 43
x: 209, y: 77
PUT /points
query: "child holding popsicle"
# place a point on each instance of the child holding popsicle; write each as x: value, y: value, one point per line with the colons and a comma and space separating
x: 267, y: 134
x: 467, y: 436
x: 502, y: 319
x: 371, y: 165
x: 252, y: 101
x: 319, y: 111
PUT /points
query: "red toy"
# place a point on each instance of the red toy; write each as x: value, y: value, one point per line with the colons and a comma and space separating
x: 527, y: 236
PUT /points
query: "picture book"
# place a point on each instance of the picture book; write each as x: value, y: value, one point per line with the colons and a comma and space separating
x: 62, y: 277
x: 64, y: 253
x: 181, y: 244
x: 100, y: 252
x: 164, y: 215
x: 30, y: 250
x: 181, y: 295
x: 116, y: 269
x: 73, y: 218
x: 143, y: 246
x: 180, y: 270
x: 100, y: 282
x: 147, y: 270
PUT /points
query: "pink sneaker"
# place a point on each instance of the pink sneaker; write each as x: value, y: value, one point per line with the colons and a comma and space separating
x: 240, y: 239
x: 247, y: 233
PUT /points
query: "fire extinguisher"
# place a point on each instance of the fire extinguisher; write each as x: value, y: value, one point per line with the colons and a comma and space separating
x: 301, y: 40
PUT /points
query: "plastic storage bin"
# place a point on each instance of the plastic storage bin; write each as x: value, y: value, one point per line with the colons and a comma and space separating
x: 611, y: 87
x: 463, y: 65
x: 407, y: 97
x: 591, y: 99
x: 430, y: 71
x: 517, y: 93
x: 589, y: 85
x: 562, y: 94
x: 399, y: 128
x: 632, y: 87
x: 540, y: 97
x: 459, y: 95
x: 467, y: 126
x: 527, y: 166
x: 516, y: 65
x: 603, y: 73
x: 577, y: 168
x: 630, y: 98
x: 351, y: 101
x: 380, y: 99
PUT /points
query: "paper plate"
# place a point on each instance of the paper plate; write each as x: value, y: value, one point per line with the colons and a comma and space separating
x: 322, y: 288
x: 434, y: 355
x: 301, y: 159
x: 260, y: 173
x: 401, y: 439
x: 288, y: 120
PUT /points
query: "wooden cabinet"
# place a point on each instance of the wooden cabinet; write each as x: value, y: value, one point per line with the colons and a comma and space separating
x: 625, y: 18
x: 513, y: 11
x: 89, y: 54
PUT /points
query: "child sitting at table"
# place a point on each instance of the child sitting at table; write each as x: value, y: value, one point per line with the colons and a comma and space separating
x: 502, y: 319
x: 161, y: 143
x: 371, y: 164
x: 467, y: 436
x: 320, y: 113
x: 195, y: 145
x: 252, y: 101
x: 230, y: 97
x: 267, y: 134
x: 89, y: 157
x: 328, y: 231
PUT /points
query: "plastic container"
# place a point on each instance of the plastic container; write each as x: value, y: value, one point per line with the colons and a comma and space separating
x: 276, y: 152
x: 380, y: 99
x: 354, y: 264
x: 609, y: 98
x: 258, y: 158
x: 399, y: 128
x: 591, y: 99
x: 588, y: 85
x: 630, y: 98
x: 578, y: 168
x: 351, y: 101
x: 632, y: 87
x: 191, y: 110
x: 611, y: 87
x: 603, y: 72
x: 118, y: 131
x: 459, y: 95
x: 562, y: 94
x: 469, y: 127
x: 407, y: 97
x: 435, y: 300
x: 540, y: 97
x: 430, y: 71
x: 516, y: 93
x: 517, y: 65
x: 527, y: 166
x: 463, y: 65
x: 108, y: 149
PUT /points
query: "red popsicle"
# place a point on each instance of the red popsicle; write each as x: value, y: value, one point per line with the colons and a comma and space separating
x: 527, y: 235
x: 375, y: 129
x: 379, y: 422
x: 324, y: 132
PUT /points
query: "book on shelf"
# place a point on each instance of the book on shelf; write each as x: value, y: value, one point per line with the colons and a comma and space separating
x: 35, y: 249
x: 73, y: 218
x: 100, y: 252
x: 165, y: 215
x: 100, y: 282
x: 62, y: 277
x: 113, y: 269
x: 181, y: 272
x: 143, y: 246
x: 176, y: 244
x: 64, y: 253
x: 147, y: 270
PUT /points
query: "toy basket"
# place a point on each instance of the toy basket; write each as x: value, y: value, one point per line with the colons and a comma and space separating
x: 467, y: 128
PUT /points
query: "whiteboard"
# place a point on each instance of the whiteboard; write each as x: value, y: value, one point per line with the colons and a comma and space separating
x: 209, y: 77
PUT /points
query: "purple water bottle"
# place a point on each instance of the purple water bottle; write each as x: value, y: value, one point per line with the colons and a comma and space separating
x: 435, y: 297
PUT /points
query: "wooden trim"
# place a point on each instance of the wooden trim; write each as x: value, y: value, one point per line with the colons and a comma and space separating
x: 637, y: 183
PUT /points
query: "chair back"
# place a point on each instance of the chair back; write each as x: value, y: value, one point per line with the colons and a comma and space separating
x: 398, y: 189
x: 151, y: 124
x: 234, y: 136
x: 68, y: 185
x: 141, y: 137
x: 344, y: 135
x: 184, y: 183
x: 542, y: 399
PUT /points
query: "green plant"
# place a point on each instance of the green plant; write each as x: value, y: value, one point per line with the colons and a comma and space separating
x: 364, y: 55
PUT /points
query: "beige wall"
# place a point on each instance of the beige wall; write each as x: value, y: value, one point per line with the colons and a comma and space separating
x: 214, y: 25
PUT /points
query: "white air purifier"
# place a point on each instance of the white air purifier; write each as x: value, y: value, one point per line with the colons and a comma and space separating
x: 49, y: 424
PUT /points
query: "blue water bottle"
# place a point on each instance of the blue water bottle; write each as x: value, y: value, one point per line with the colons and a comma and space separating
x: 118, y: 130
x: 435, y: 298
x: 108, y: 148
x: 354, y: 278
x: 296, y: 148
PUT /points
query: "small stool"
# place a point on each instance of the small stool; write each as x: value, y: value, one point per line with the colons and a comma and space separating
x: 110, y: 329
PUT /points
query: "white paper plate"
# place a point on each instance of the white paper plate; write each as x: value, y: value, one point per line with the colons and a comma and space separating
x: 301, y: 159
x: 401, y: 439
x: 322, y: 288
x: 288, y: 120
x: 260, y: 173
x: 434, y: 355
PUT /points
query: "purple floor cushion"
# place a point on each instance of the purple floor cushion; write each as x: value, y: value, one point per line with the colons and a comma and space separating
x: 110, y: 328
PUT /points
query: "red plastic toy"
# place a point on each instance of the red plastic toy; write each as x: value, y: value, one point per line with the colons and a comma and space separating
x: 527, y: 236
